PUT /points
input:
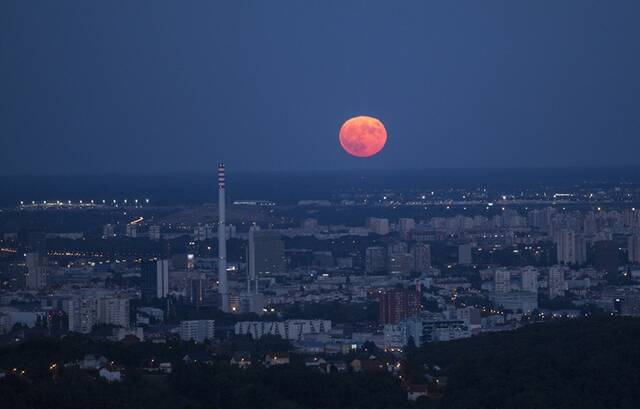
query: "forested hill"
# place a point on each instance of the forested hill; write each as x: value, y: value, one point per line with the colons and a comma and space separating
x: 586, y: 363
x: 581, y: 364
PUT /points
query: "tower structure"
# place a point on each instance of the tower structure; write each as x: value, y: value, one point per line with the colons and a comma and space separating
x: 252, y: 282
x: 252, y: 300
x: 223, y: 285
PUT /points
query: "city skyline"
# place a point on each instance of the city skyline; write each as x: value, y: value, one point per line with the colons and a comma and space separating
x: 362, y: 204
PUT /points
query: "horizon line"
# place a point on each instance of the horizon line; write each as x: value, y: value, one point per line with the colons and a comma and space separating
x: 323, y: 170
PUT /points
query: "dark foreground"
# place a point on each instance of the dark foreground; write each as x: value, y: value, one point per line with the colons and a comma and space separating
x: 587, y: 363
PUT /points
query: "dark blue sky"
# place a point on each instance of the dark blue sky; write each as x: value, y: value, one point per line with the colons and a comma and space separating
x: 129, y: 86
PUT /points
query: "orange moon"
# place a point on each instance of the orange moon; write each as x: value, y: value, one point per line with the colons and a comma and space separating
x: 363, y: 136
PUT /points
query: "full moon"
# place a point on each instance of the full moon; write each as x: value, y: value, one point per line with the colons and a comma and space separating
x: 363, y: 136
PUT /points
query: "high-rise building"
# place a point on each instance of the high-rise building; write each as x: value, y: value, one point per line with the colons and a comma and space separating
x: 529, y: 279
x: 606, y: 256
x: 251, y: 302
x: 154, y: 232
x: 375, y: 260
x: 323, y: 259
x: 464, y: 254
x: 397, y: 248
x: 401, y: 263
x: 630, y: 305
x: 36, y: 242
x: 204, y: 232
x: 36, y: 275
x: 5, y: 323
x: 590, y: 224
x: 223, y: 284
x: 265, y: 253
x: 524, y: 301
x: 132, y: 230
x: 82, y: 312
x: 571, y: 247
x: 196, y: 290
x: 405, y: 225
x: 113, y: 310
x: 422, y: 257
x: 471, y: 316
x: 378, y: 225
x: 155, y: 279
x: 444, y: 330
x: 397, y: 336
x: 541, y: 218
x: 296, y: 258
x: 108, y: 231
x: 162, y: 274
x: 502, y: 281
x: 197, y: 330
x: 399, y: 304
x: 633, y: 249
x: 309, y: 223
x: 557, y: 285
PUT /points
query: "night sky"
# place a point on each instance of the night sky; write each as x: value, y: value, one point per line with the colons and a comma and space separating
x: 159, y: 86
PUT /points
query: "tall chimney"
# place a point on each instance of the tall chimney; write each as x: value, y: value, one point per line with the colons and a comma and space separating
x: 223, y: 285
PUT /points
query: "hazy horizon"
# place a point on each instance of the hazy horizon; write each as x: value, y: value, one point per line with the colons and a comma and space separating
x: 290, y: 186
x: 241, y: 171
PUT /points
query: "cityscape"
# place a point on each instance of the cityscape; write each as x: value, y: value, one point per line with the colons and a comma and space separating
x: 319, y: 205
x: 253, y: 282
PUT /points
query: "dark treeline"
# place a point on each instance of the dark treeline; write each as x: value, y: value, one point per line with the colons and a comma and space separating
x: 585, y: 363
x: 211, y: 384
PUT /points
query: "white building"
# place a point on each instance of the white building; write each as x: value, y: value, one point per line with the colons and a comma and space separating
x: 471, y: 316
x: 571, y: 247
x: 154, y: 232
x: 529, y: 279
x: 422, y: 257
x: 36, y: 275
x: 88, y: 308
x: 113, y: 310
x: 502, y: 280
x: 10, y: 316
x: 289, y: 329
x: 82, y: 312
x: 524, y: 301
x: 204, y: 232
x: 111, y: 375
x: 397, y: 336
x: 634, y: 249
x: 108, y: 231
x: 132, y: 230
x: 444, y: 330
x: 378, y: 225
x: 197, y: 330
x: 375, y: 260
x: 557, y: 285
x: 464, y: 254
x: 405, y: 225
x: 252, y: 303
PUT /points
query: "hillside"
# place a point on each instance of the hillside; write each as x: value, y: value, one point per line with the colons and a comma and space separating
x: 587, y: 363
